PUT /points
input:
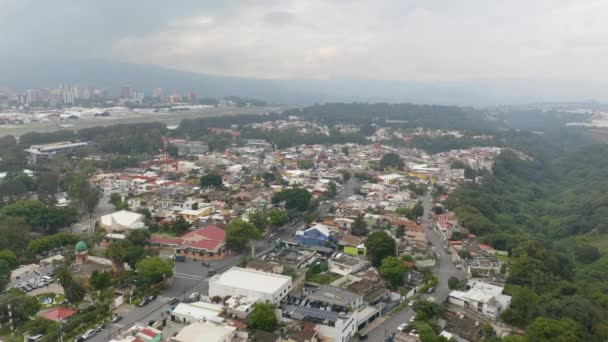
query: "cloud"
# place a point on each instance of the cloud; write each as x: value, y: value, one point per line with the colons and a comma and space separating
x: 279, y: 18
x: 384, y: 39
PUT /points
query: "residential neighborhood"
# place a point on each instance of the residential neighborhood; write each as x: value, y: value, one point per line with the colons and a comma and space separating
x: 348, y: 241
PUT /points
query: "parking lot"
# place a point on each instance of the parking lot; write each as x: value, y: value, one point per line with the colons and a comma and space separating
x: 39, y: 277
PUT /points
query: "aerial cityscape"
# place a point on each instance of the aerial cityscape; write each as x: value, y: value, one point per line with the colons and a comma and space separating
x: 252, y: 172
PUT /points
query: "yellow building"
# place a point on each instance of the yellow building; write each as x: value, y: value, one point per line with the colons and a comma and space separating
x: 193, y: 215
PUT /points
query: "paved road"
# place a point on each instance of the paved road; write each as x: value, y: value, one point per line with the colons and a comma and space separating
x: 191, y: 276
x: 445, y: 270
x: 83, y: 225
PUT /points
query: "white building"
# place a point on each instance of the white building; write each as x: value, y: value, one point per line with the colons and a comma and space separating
x: 43, y: 153
x: 121, y: 221
x: 197, y: 311
x: 240, y: 307
x: 206, y: 332
x: 139, y: 333
x: 345, y: 264
x: 238, y: 281
x: 333, y: 326
x: 482, y: 298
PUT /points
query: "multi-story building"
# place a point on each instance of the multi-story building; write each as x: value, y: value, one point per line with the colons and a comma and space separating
x: 43, y: 153
x: 127, y: 91
x: 481, y: 298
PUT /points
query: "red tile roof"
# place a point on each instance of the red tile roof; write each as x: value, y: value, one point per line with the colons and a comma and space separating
x: 486, y: 247
x: 58, y: 314
x: 211, y: 232
x: 148, y: 332
x: 209, y: 238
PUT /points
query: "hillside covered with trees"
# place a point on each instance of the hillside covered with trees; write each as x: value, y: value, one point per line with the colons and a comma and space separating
x: 550, y: 214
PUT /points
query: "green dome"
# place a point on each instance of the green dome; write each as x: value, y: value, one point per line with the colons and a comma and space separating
x: 81, y: 247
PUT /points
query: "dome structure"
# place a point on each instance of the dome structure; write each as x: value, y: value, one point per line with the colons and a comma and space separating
x: 81, y: 246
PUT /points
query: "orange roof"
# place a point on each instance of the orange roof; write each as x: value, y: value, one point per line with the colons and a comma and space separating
x: 58, y: 313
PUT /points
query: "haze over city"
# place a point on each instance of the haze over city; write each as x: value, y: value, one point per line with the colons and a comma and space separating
x: 303, y: 171
x: 478, y: 52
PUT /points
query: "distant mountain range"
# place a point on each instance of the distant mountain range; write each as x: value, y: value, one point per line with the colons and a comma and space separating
x: 20, y: 74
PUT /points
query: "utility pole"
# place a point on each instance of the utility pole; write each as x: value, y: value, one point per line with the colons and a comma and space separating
x: 60, y: 337
x: 10, y: 319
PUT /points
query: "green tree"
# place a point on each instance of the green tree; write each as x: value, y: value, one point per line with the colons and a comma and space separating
x: 418, y: 210
x: 138, y: 236
x: 332, y: 190
x: 15, y: 234
x: 392, y: 271
x: 306, y: 164
x: 180, y: 226
x: 211, y: 180
x: 85, y: 195
x: 379, y: 246
x: 39, y: 215
x: 263, y: 317
x: 391, y: 160
x: 259, y: 219
x: 48, y: 184
x: 345, y: 176
x: 359, y: 227
x: 551, y: 330
x: 117, y: 252
x: 345, y: 150
x: 426, y: 310
x: 455, y: 283
x: 74, y: 292
x: 153, y: 270
x: 22, y: 306
x: 133, y: 254
x: 586, y: 253
x: 173, y: 151
x: 100, y: 280
x: 5, y: 274
x: 277, y: 218
x: 116, y: 201
x: 296, y: 199
x: 10, y: 257
x: 239, y: 233
x: 469, y: 173
x: 465, y: 254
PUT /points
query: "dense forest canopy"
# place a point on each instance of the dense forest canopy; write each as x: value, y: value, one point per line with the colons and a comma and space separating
x: 412, y: 115
x: 550, y: 214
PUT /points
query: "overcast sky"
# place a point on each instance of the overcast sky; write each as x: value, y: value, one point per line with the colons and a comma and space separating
x: 425, y: 40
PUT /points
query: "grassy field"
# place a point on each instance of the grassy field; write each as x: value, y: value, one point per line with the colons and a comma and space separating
x: 173, y: 118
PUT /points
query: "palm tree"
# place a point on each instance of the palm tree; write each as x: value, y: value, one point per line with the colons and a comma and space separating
x: 74, y: 292
x: 116, y: 253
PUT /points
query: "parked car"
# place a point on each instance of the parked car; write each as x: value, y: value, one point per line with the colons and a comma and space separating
x: 143, y: 302
x: 89, y: 333
x: 100, y: 327
x: 194, y: 296
x: 211, y: 272
x: 431, y: 289
x: 206, y: 264
x: 173, y: 300
x: 116, y: 318
x: 402, y: 326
